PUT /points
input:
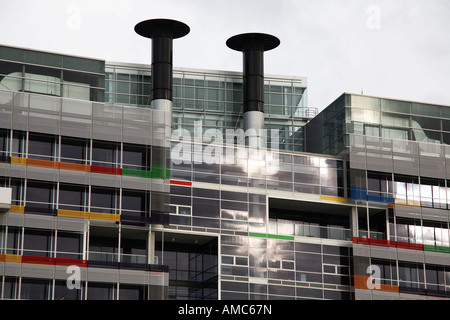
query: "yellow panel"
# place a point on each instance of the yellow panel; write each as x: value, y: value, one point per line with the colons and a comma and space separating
x: 73, y: 214
x: 13, y: 258
x: 104, y: 216
x: 17, y: 160
x: 17, y: 209
x: 336, y: 199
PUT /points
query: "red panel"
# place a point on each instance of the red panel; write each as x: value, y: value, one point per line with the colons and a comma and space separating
x: 107, y: 170
x: 388, y: 243
x: 37, y: 260
x: 412, y: 246
x: 181, y: 183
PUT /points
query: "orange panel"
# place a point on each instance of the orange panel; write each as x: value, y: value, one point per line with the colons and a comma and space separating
x: 43, y: 163
x: 361, y: 283
x: 74, y: 167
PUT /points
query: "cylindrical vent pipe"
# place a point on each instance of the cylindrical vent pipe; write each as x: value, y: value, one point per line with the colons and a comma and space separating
x: 162, y: 32
x: 253, y: 46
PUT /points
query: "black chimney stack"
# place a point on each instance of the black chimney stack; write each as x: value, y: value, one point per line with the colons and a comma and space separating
x: 253, y: 46
x: 162, y: 32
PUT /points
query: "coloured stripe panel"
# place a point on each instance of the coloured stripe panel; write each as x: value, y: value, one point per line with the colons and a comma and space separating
x: 181, y: 183
x: 358, y: 193
x: 42, y: 260
x: 365, y: 283
x: 388, y: 243
x: 88, y: 215
x: 157, y: 172
x: 401, y: 245
x: 270, y: 236
x: 334, y: 199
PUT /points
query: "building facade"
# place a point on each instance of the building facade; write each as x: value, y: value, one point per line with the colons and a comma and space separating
x: 350, y: 203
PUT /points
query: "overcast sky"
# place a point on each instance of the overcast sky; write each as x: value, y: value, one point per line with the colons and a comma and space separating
x: 396, y: 49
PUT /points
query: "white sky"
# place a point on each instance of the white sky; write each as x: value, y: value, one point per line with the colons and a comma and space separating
x: 396, y: 49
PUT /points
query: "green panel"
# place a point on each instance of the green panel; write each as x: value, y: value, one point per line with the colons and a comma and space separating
x: 440, y: 249
x: 275, y: 236
x: 271, y: 236
x: 259, y: 235
x: 137, y: 173
x: 158, y: 172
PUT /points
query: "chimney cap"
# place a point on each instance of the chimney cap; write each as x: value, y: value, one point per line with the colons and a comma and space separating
x: 246, y: 41
x: 162, y: 27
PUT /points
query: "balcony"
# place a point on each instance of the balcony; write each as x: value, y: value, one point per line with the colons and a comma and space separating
x: 291, y: 228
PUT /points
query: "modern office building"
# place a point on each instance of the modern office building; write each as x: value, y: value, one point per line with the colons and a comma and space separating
x: 129, y: 181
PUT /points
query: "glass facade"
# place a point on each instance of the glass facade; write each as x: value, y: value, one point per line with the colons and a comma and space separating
x: 215, y: 99
x: 380, y: 117
x: 51, y: 74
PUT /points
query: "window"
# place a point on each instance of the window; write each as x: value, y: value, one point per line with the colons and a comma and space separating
x: 74, y: 150
x: 103, y: 245
x: 39, y: 195
x: 410, y: 274
x: 18, y: 146
x: 131, y: 292
x: 308, y: 262
x: 134, y: 202
x: 137, y: 157
x: 37, y: 242
x: 41, y: 146
x: 17, y: 191
x: 103, y: 200
x: 62, y: 292
x: 3, y: 145
x: 381, y: 182
x: 72, y: 197
x: 69, y: 245
x: 105, y: 153
x: 388, y: 270
x: 10, y: 287
x: 35, y: 289
x: 134, y: 247
x: 100, y: 291
x: 13, y: 240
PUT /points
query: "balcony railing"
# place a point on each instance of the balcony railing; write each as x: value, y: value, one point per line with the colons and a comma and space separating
x: 306, y: 230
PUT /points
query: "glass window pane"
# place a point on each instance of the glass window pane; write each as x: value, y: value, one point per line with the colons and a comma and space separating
x: 34, y: 289
x: 105, y: 153
x: 103, y: 200
x: 41, y: 146
x: 74, y: 150
x: 73, y: 196
x: 136, y: 157
x: 39, y: 195
x: 37, y: 242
